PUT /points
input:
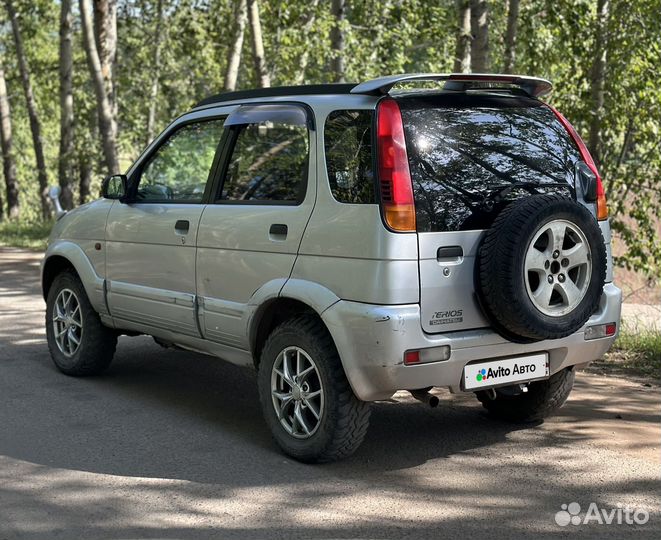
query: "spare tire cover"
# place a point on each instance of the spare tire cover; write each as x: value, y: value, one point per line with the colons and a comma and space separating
x: 541, y: 268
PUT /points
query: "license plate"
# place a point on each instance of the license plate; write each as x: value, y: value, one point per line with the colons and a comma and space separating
x: 506, y: 371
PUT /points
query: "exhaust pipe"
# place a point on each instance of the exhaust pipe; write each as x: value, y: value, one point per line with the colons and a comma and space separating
x: 423, y: 396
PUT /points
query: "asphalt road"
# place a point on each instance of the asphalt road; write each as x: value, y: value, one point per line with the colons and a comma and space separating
x: 170, y: 444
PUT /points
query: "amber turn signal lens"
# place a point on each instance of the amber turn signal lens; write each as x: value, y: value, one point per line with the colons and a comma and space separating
x: 400, y: 217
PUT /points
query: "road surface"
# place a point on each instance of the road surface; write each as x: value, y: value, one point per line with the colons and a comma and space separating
x: 171, y: 445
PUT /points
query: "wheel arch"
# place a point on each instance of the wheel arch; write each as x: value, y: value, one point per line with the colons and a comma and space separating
x: 296, y: 297
x: 67, y: 256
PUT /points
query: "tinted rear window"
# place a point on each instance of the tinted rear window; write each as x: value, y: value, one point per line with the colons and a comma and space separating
x: 469, y: 155
x: 348, y: 146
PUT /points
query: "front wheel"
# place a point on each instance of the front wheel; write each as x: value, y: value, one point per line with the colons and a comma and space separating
x: 541, y: 399
x: 306, y: 399
x: 79, y: 343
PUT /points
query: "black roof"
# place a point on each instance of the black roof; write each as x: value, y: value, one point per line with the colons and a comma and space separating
x: 274, y: 91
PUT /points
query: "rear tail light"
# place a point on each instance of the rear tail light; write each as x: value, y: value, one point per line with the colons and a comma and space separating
x: 602, y: 207
x: 393, y: 168
x: 600, y: 331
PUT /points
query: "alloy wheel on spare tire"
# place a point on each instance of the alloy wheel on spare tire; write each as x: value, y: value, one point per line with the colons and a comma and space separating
x: 541, y: 268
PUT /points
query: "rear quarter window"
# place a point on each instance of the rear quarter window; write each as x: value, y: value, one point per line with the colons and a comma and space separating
x: 348, y: 147
x: 468, y: 155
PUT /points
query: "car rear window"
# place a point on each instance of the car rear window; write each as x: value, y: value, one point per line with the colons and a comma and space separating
x: 468, y: 155
x: 348, y: 146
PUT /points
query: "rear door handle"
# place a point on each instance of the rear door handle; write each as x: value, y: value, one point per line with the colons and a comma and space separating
x: 450, y: 254
x: 182, y: 226
x: 278, y: 231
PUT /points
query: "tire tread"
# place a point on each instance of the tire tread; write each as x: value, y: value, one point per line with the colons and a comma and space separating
x: 352, y: 415
x: 99, y: 341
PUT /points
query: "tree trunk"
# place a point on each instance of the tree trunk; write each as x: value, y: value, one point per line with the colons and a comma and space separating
x: 35, y: 122
x: 261, y: 72
x: 510, y: 36
x: 462, y: 55
x: 156, y: 73
x: 8, y: 162
x: 64, y: 169
x: 107, y: 124
x: 480, y: 31
x: 84, y: 178
x: 598, y: 78
x: 339, y: 12
x: 105, y: 32
x: 234, y: 56
x: 306, y: 24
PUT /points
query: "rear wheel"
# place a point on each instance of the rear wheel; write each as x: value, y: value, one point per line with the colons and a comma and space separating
x: 541, y: 399
x: 79, y: 343
x: 306, y: 399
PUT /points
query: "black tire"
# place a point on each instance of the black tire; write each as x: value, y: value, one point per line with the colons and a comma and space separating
x: 343, y: 422
x: 97, y: 342
x: 541, y: 399
x: 500, y: 269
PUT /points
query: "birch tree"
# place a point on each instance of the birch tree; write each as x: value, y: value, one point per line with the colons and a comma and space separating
x: 257, y: 42
x: 33, y: 114
x: 510, y: 36
x: 64, y: 169
x: 598, y: 77
x: 156, y: 72
x: 105, y: 34
x: 480, y: 31
x: 462, y: 54
x: 8, y: 161
x: 107, y: 122
x: 306, y: 25
x: 338, y: 11
x: 236, y: 46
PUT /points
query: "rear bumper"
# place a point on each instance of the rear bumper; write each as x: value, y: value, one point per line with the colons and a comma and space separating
x: 372, y: 340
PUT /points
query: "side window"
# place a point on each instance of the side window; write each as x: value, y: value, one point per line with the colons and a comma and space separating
x: 179, y: 170
x: 348, y: 145
x: 269, y: 162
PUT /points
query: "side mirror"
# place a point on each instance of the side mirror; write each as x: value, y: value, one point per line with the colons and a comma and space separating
x: 115, y: 187
x: 54, y: 194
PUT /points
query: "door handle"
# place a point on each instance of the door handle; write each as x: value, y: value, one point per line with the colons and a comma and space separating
x: 450, y: 254
x: 182, y: 226
x: 278, y: 231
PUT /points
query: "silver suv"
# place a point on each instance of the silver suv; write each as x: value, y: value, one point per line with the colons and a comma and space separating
x: 349, y: 241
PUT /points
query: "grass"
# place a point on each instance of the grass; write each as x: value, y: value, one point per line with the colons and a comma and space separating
x: 31, y: 235
x: 639, y: 352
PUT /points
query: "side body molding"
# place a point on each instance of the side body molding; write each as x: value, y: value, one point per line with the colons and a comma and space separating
x: 93, y: 283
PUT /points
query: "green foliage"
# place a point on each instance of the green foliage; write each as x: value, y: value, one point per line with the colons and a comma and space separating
x: 555, y: 40
x: 25, y: 234
x: 639, y: 351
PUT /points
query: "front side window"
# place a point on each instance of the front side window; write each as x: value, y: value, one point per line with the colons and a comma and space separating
x: 269, y: 162
x: 348, y: 146
x: 179, y: 170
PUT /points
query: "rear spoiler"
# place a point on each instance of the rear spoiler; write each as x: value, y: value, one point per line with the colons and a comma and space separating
x: 532, y: 86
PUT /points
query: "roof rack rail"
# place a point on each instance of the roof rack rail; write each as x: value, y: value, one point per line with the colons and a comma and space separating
x: 278, y: 91
x: 532, y: 86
